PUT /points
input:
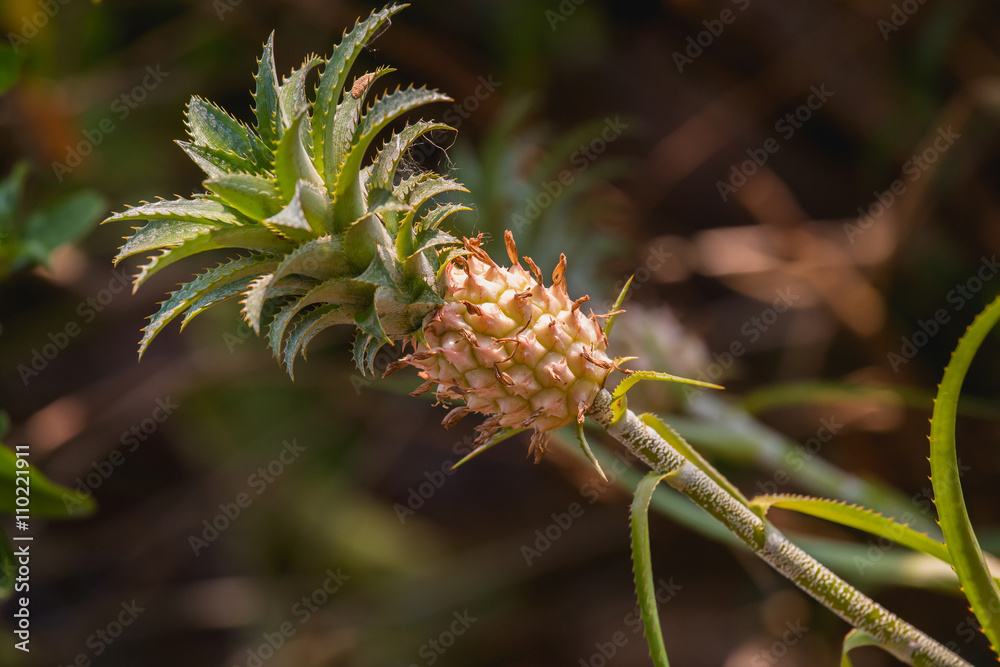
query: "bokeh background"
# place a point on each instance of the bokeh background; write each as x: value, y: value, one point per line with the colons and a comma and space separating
x: 766, y: 168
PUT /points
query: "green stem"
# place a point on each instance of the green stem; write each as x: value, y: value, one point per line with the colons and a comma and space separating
x: 895, y: 635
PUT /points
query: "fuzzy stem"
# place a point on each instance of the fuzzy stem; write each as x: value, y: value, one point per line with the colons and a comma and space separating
x: 895, y: 635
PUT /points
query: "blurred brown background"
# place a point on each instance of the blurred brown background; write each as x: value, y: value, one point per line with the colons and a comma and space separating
x: 811, y: 189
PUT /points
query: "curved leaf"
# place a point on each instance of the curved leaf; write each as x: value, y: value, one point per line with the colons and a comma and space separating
x: 431, y: 185
x: 237, y: 288
x: 376, y: 118
x: 259, y: 239
x: 430, y: 238
x: 642, y: 566
x: 210, y: 280
x: 267, y: 287
x: 292, y: 221
x: 856, y: 639
x: 581, y: 440
x: 691, y: 454
x: 327, y: 313
x: 292, y: 162
x: 499, y: 436
x: 434, y: 217
x: 340, y: 135
x: 185, y: 210
x: 392, y: 152
x: 216, y: 162
x: 322, y: 259
x: 343, y: 292
x: 859, y: 518
x: 618, y: 395
x: 333, y: 77
x: 292, y: 92
x: 210, y: 126
x: 610, y: 323
x: 254, y: 196
x: 979, y: 586
x: 163, y: 234
x: 268, y: 111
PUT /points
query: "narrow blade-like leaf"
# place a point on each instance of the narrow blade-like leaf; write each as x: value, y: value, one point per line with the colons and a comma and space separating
x: 642, y: 567
x: 267, y: 109
x: 967, y: 556
x: 334, y: 75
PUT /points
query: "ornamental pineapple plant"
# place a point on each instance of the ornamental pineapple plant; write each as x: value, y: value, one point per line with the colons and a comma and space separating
x: 324, y: 239
x: 321, y: 237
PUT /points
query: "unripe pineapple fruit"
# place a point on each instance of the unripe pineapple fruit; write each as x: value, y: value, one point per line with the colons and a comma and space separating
x: 321, y: 238
x: 506, y: 346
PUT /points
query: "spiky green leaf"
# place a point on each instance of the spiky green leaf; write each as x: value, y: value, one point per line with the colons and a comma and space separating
x: 322, y: 259
x: 292, y: 98
x: 431, y: 185
x: 163, y: 234
x: 430, y: 238
x: 381, y: 272
x: 253, y: 303
x: 364, y: 349
x: 291, y: 221
x: 237, y: 288
x: 292, y: 162
x: 362, y: 240
x: 215, y: 296
x: 215, y: 162
x: 434, y: 217
x: 210, y: 126
x: 979, y: 586
x: 253, y: 196
x: 301, y: 328
x: 340, y: 134
x: 210, y: 280
x: 392, y: 152
x: 265, y: 288
x: 315, y: 206
x: 259, y: 239
x: 376, y: 118
x: 186, y: 210
x: 345, y: 292
x: 368, y: 321
x: 267, y: 109
x: 334, y: 75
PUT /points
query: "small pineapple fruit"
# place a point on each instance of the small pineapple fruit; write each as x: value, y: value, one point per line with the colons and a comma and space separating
x: 510, y: 348
x: 321, y: 239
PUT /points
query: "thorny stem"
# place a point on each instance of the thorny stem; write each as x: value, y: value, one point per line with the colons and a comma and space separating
x: 895, y: 635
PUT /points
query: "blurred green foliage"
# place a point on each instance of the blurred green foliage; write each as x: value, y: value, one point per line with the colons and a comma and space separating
x: 29, y: 238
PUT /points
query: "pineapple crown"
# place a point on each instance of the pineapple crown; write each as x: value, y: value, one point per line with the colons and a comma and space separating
x: 321, y: 237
